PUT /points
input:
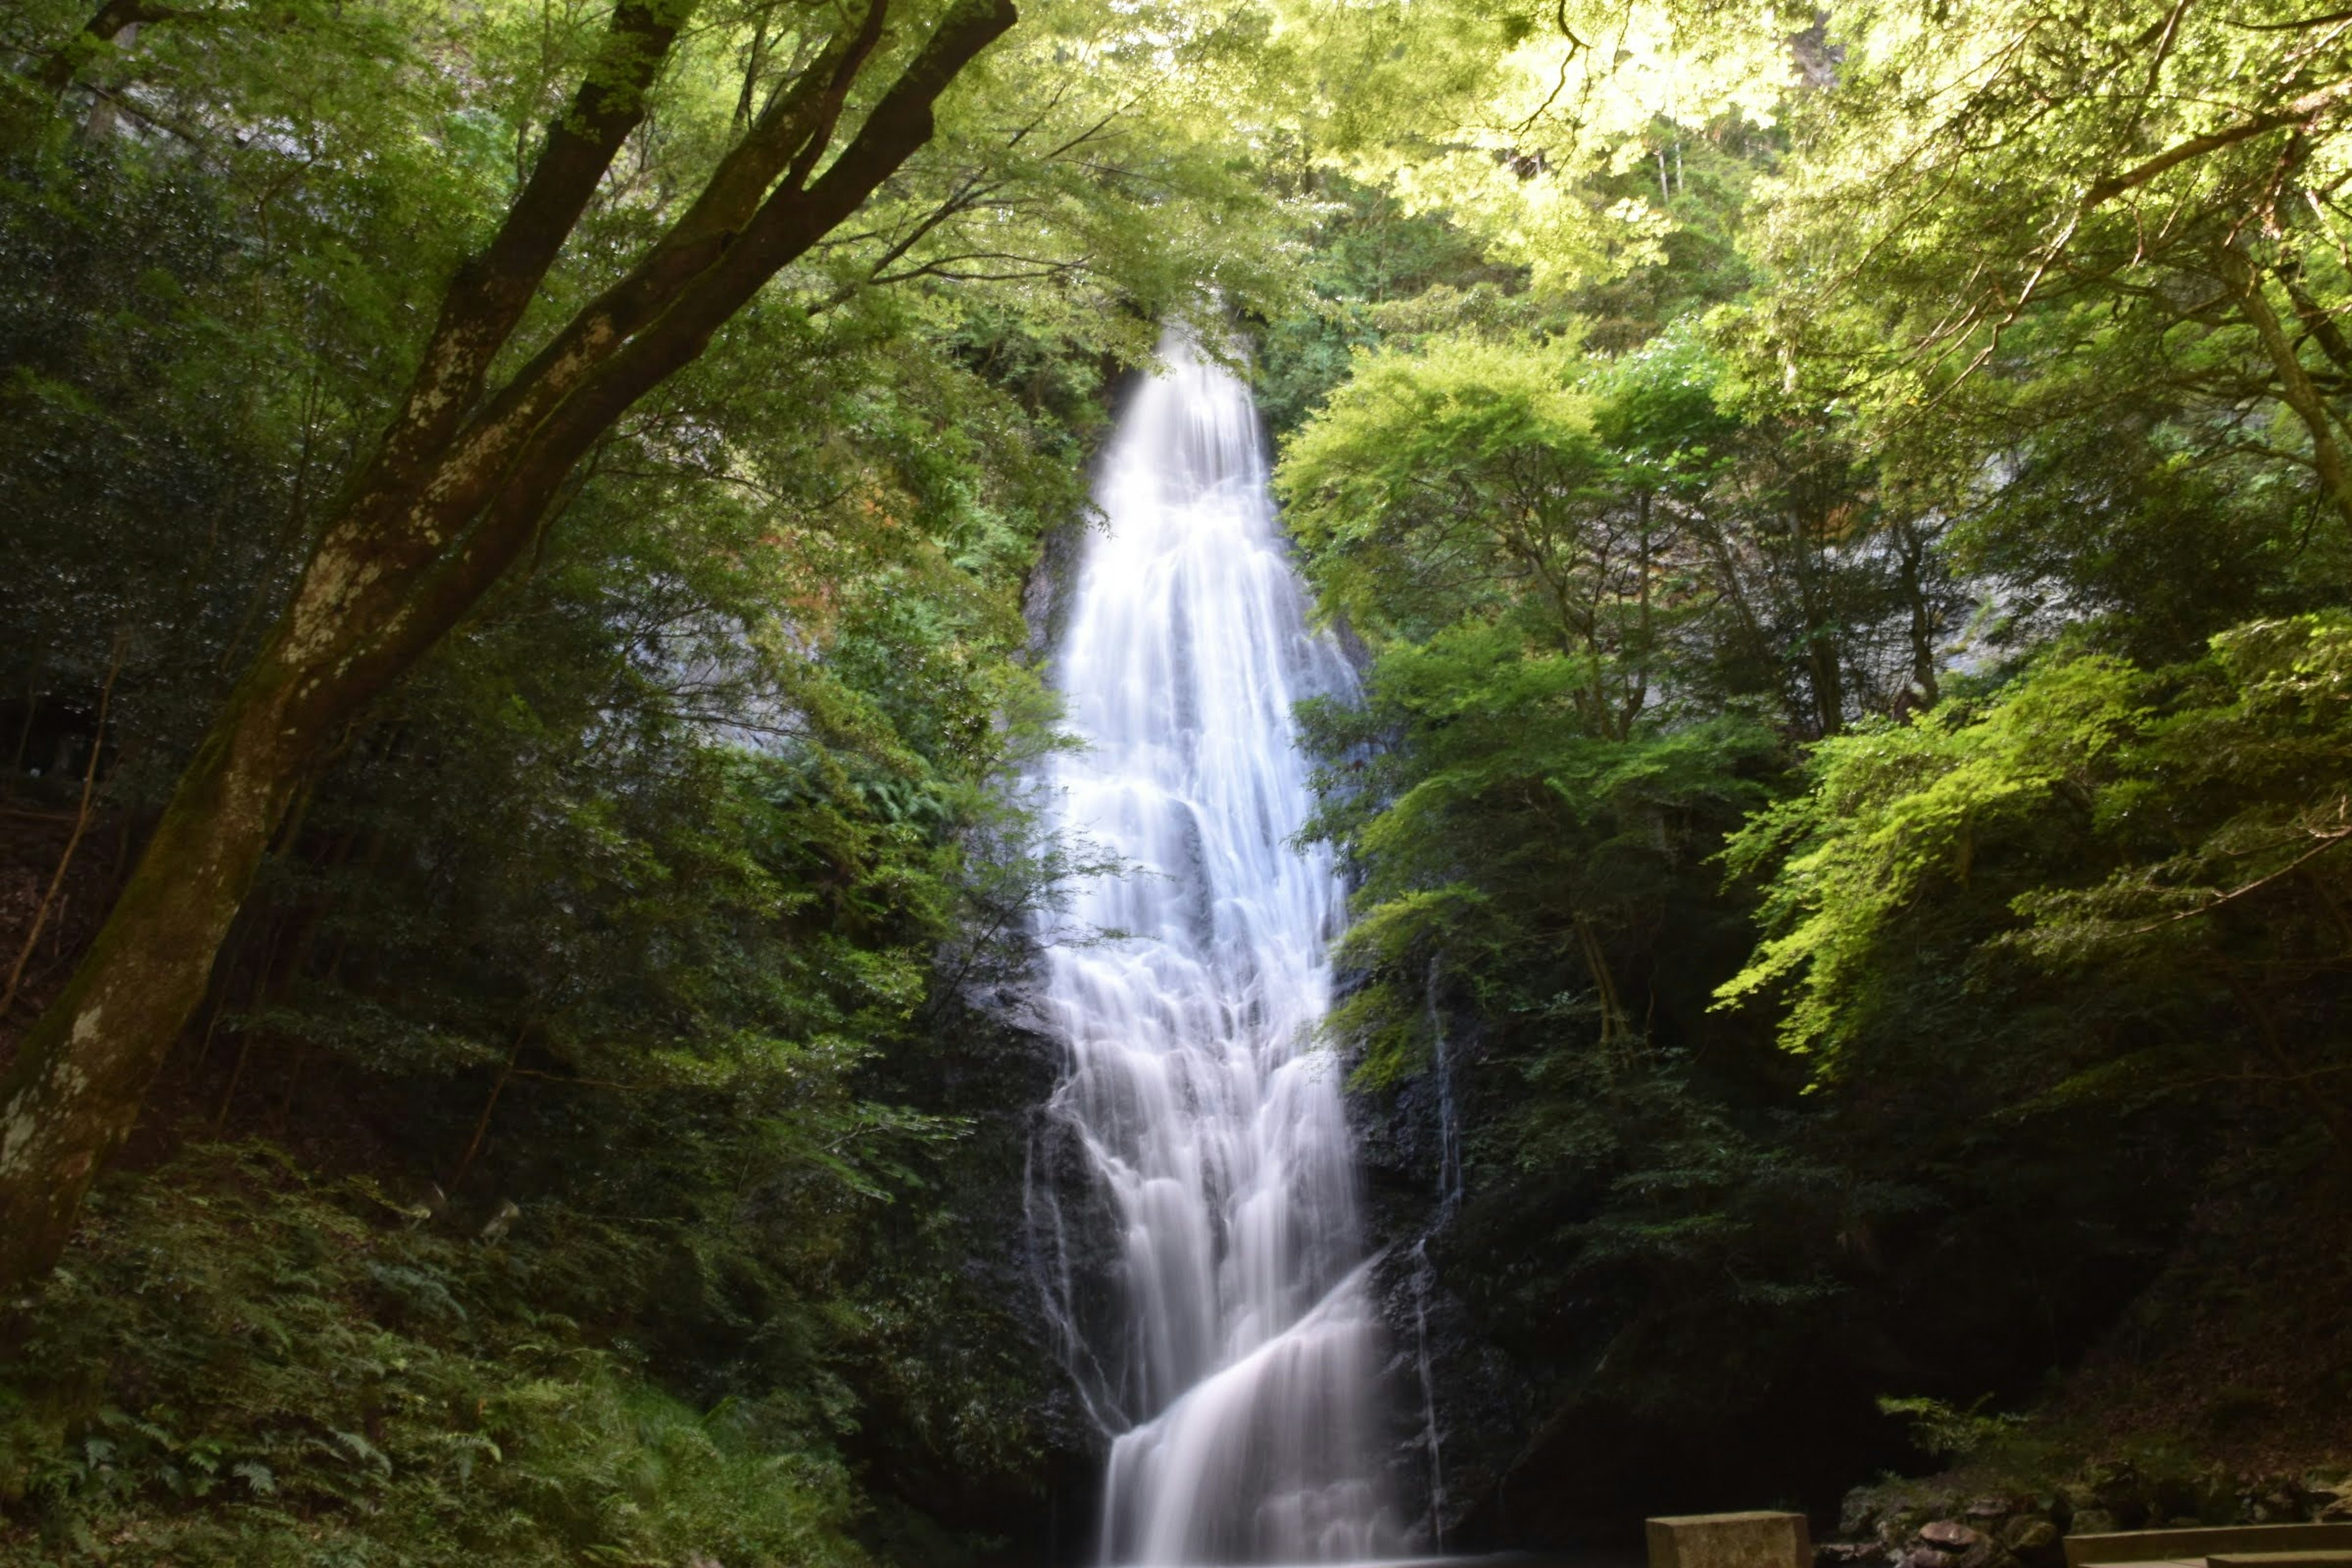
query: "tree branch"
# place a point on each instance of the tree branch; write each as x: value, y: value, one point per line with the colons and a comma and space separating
x: 487, y: 299
x: 2300, y: 110
x: 106, y: 25
x: 785, y: 227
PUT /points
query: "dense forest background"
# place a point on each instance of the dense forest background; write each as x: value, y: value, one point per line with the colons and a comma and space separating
x: 1845, y: 525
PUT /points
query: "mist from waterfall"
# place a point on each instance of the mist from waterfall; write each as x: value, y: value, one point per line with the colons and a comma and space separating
x: 1237, y: 1379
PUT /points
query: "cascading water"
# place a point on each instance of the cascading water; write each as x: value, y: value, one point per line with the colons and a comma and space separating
x: 1238, y: 1382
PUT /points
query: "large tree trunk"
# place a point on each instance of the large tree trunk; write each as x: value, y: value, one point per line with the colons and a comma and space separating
x: 79, y: 1076
x: 455, y: 492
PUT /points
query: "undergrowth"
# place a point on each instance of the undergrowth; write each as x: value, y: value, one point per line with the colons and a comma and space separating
x: 243, y: 1363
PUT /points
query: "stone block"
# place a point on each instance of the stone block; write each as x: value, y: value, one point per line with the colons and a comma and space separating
x: 1731, y: 1540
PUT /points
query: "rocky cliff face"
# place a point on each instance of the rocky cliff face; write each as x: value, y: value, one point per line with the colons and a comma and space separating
x: 1012, y: 1472
x: 1459, y: 1408
x: 982, y: 1430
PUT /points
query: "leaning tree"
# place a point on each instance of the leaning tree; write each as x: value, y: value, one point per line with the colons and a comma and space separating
x: 458, y: 482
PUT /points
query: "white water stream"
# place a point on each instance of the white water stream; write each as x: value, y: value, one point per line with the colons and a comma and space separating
x: 1237, y: 1382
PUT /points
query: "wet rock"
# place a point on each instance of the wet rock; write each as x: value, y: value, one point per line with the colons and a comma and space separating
x: 1950, y: 1535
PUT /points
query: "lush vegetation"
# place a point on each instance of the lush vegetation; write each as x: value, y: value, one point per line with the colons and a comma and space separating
x: 517, y: 523
x: 1847, y: 788
x: 550, y: 1167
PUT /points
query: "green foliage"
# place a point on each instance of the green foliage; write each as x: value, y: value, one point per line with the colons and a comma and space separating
x: 1685, y: 545
x: 1912, y: 481
x: 1372, y: 268
x: 1531, y: 788
x: 1948, y: 1432
x: 1899, y: 813
x: 242, y: 1365
x: 2152, y: 852
x: 646, y: 903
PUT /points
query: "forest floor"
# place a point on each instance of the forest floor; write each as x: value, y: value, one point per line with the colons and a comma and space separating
x: 2241, y: 1350
x: 2223, y: 1395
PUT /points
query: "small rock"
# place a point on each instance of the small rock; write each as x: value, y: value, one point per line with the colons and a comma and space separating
x: 502, y: 1221
x: 2028, y: 1534
x: 1851, y: 1555
x: 1949, y: 1535
x: 2122, y: 1494
x: 1928, y: 1557
x: 2326, y: 1496
x: 1990, y: 1507
x: 2274, y: 1509
x: 2092, y: 1522
x: 1859, y: 1512
x: 1898, y: 1526
x: 2217, y: 1497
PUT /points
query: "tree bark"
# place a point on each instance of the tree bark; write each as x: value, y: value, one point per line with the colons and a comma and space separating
x: 1914, y: 555
x: 105, y: 24
x: 454, y: 493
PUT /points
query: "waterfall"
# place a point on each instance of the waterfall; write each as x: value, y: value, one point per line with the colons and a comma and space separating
x: 1236, y: 1381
